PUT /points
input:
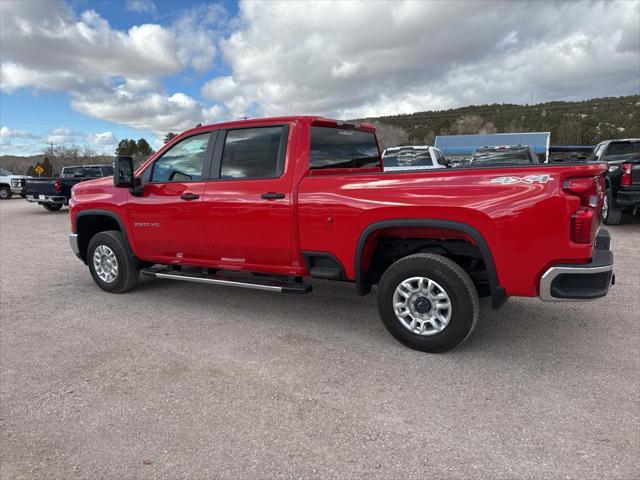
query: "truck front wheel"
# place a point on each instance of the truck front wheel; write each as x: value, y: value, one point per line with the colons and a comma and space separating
x: 5, y: 193
x: 111, y: 266
x: 428, y: 302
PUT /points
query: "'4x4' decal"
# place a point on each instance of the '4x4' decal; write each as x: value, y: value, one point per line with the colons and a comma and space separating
x: 530, y: 179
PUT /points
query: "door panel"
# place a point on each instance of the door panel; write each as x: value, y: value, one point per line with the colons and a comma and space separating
x: 248, y: 219
x: 243, y: 229
x: 166, y: 226
x: 166, y: 220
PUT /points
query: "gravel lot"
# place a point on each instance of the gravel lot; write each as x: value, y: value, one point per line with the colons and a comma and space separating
x: 177, y: 380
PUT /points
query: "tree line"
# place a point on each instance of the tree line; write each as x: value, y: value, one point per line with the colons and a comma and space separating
x: 570, y: 123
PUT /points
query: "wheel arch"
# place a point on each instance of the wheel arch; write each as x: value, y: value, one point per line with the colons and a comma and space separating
x: 90, y: 222
x: 498, y: 295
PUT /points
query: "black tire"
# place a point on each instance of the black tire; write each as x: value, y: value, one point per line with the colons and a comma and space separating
x: 52, y: 207
x: 128, y: 272
x: 5, y: 193
x: 465, y: 305
x: 612, y: 216
x: 23, y: 195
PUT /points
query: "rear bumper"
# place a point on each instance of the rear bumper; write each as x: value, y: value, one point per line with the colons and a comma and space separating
x: 47, y: 198
x: 628, y: 198
x: 581, y: 282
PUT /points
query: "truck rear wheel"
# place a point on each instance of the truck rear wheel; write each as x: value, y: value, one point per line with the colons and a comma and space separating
x: 428, y: 302
x: 610, y: 216
x: 52, y: 207
x: 111, y: 266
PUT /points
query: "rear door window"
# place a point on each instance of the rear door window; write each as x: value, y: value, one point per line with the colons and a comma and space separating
x: 253, y: 153
x: 341, y: 148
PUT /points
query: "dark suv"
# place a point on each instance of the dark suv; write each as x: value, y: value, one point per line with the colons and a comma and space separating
x: 623, y: 177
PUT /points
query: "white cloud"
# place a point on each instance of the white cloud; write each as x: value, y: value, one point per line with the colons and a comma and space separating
x: 105, y: 139
x: 86, y: 57
x: 59, y: 46
x: 337, y: 58
x: 61, y: 135
x: 151, y: 111
x: 220, y: 88
x: 196, y: 32
x: 7, y: 133
x: 350, y: 59
x: 140, y: 6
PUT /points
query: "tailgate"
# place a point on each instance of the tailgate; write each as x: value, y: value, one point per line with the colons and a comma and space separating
x: 40, y: 186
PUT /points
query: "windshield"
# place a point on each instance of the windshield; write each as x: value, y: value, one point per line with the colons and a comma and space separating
x: 407, y: 158
x: 503, y: 157
x: 89, y: 172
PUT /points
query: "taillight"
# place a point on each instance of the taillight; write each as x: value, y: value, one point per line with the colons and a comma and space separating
x: 625, y: 179
x: 586, y: 219
x: 57, y: 186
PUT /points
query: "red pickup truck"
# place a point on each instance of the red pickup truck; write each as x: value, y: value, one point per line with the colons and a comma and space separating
x: 265, y: 203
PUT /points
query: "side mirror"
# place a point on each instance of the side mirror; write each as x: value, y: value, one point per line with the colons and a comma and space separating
x: 123, y: 172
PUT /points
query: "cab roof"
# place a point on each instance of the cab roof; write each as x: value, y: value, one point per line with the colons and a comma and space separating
x: 306, y: 119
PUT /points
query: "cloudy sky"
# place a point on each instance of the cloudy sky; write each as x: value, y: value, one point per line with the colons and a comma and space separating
x: 93, y: 72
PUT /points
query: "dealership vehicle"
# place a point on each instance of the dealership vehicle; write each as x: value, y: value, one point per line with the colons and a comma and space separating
x: 504, y: 155
x: 53, y: 193
x: 10, y: 184
x: 419, y: 157
x: 623, y: 177
x: 264, y: 203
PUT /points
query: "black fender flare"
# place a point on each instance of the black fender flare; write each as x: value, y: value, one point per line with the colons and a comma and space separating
x: 498, y: 295
x: 105, y: 213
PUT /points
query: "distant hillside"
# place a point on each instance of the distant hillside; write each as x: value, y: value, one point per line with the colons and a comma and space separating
x: 570, y: 123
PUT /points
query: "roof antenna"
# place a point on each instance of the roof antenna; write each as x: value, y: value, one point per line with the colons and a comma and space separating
x: 198, y: 125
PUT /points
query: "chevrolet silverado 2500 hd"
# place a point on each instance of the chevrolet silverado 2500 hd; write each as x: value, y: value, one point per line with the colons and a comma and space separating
x: 265, y: 203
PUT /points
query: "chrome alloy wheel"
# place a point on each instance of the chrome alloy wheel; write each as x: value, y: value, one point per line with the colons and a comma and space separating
x: 105, y: 263
x: 422, y: 306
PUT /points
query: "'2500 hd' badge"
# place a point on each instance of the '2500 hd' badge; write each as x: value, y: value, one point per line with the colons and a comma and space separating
x: 530, y: 179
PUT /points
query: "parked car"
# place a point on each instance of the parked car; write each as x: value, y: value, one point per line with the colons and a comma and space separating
x: 420, y: 157
x: 54, y: 193
x: 264, y: 203
x: 623, y: 177
x: 10, y: 184
x: 504, y: 155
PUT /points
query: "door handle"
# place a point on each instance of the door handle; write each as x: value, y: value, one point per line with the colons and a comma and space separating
x: 189, y: 196
x: 272, y: 195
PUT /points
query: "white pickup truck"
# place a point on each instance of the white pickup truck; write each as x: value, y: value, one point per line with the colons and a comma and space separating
x: 10, y: 184
x: 418, y: 157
